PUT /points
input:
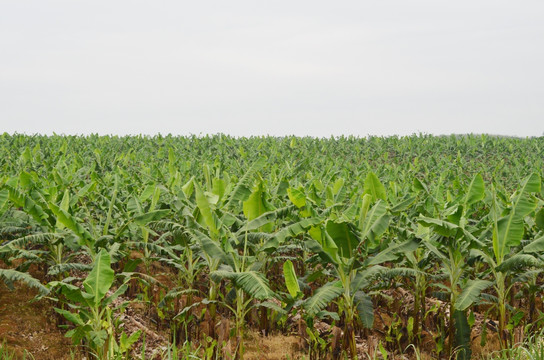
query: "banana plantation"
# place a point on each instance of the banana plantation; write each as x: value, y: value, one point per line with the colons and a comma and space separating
x: 217, y: 247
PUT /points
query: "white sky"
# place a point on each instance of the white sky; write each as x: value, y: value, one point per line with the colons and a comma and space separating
x: 256, y: 67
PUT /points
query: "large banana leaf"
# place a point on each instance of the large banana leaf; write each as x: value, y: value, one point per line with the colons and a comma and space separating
x: 148, y: 217
x: 4, y: 197
x: 100, y: 279
x: 71, y: 223
x: 323, y: 297
x: 297, y: 197
x: 291, y: 278
x: 365, y: 308
x: 539, y: 218
x: 212, y: 248
x: 519, y: 262
x: 296, y: 228
x: 322, y: 244
x: 403, y: 204
x: 211, y: 220
x: 9, y: 276
x: 30, y: 206
x: 253, y: 283
x: 64, y: 205
x: 242, y: 189
x: 70, y: 316
x: 345, y: 236
x: 535, y: 246
x: 375, y: 222
x: 508, y: 230
x: 475, y: 191
x: 392, y: 252
x: 374, y: 187
x: 267, y: 218
x: 441, y: 227
x: 470, y: 293
x: 256, y: 205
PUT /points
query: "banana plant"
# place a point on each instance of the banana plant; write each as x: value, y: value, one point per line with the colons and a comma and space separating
x: 91, y: 307
x: 344, y: 242
x: 450, y: 238
x: 47, y: 230
x: 235, y: 247
x: 420, y: 261
x: 507, y: 231
x: 353, y: 275
x: 142, y: 216
x: 243, y: 271
x: 309, y: 308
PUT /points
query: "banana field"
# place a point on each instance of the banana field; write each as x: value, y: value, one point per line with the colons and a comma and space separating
x: 211, y: 247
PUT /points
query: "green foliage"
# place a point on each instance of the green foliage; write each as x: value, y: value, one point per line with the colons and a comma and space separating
x: 291, y: 279
x: 462, y: 215
x: 508, y: 230
x: 10, y: 276
x: 323, y: 297
x: 92, y: 320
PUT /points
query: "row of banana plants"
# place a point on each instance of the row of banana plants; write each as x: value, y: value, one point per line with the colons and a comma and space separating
x: 278, y: 241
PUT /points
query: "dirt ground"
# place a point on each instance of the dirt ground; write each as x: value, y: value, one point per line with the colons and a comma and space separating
x: 30, y: 326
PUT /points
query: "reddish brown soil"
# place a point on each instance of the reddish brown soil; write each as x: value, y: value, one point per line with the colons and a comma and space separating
x: 30, y: 326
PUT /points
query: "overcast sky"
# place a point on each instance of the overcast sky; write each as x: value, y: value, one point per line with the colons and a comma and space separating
x: 255, y: 67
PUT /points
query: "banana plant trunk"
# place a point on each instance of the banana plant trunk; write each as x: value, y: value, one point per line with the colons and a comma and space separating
x: 416, y: 317
x: 351, y: 339
x: 240, y: 311
x: 451, y: 332
x: 501, y: 294
x: 419, y: 307
x: 349, y: 316
x: 213, y: 310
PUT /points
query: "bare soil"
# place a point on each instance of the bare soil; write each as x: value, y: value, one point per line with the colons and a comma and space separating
x: 30, y: 326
